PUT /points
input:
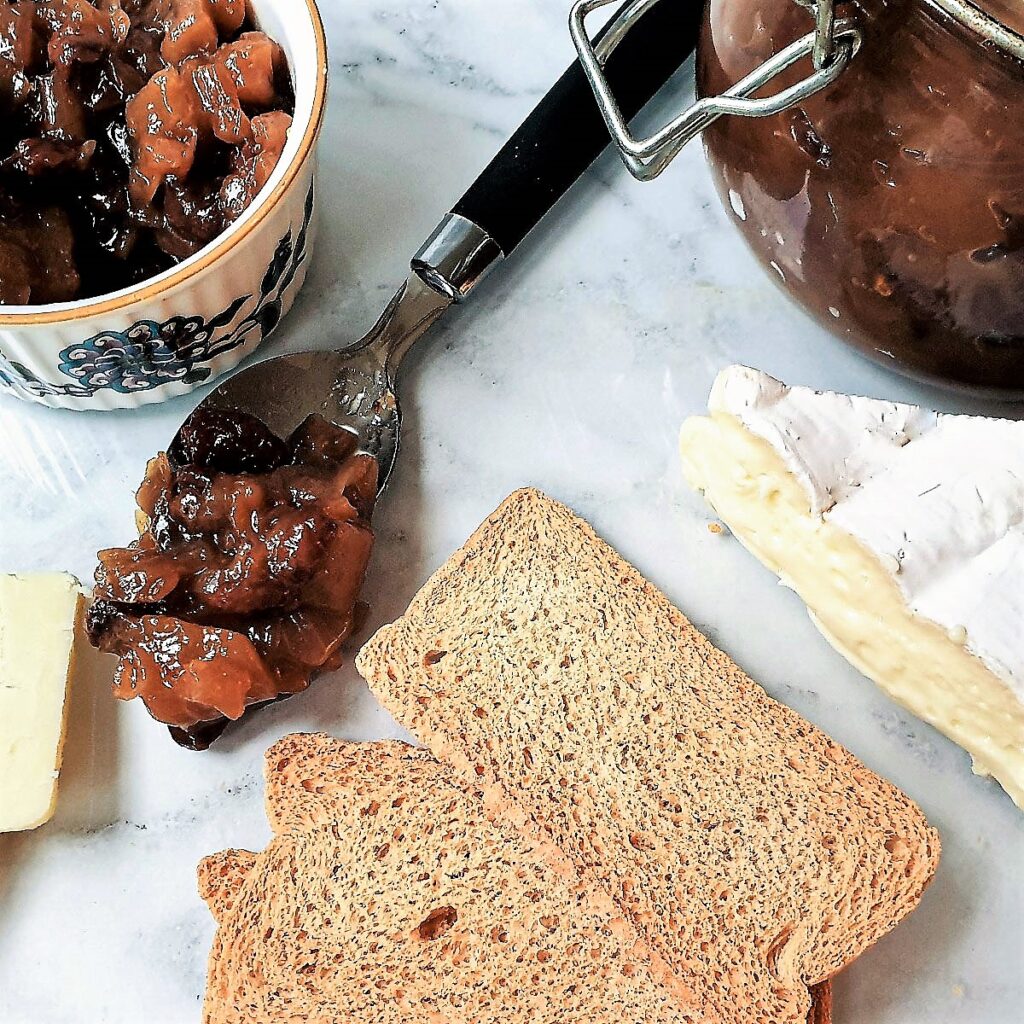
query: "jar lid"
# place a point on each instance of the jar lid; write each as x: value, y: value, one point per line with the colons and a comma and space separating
x: 998, y: 21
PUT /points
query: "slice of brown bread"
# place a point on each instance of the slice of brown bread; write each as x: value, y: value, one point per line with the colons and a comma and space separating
x: 386, y: 895
x: 753, y: 853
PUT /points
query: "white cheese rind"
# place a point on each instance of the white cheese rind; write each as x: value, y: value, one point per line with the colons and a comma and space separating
x: 938, y: 498
x: 38, y: 615
x: 901, y: 531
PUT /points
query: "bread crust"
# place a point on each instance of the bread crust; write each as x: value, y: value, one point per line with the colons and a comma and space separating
x: 220, y: 878
x: 755, y: 855
x: 821, y: 1004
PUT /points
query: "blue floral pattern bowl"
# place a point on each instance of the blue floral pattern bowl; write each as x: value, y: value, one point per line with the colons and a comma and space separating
x: 200, y: 319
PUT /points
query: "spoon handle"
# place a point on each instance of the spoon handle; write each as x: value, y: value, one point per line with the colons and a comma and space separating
x: 566, y: 133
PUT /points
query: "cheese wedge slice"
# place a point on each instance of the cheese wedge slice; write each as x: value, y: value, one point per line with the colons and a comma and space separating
x: 903, y: 532
x: 38, y: 615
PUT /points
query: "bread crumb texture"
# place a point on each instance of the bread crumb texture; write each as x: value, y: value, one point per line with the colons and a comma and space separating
x: 755, y: 856
x: 386, y: 895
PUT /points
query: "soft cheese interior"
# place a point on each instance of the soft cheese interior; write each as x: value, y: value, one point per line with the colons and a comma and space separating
x: 903, y: 532
x: 38, y: 614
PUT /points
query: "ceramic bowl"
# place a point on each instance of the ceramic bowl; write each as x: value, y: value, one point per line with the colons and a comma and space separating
x: 194, y: 322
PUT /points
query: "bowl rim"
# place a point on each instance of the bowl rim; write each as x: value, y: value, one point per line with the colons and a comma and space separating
x: 100, y: 305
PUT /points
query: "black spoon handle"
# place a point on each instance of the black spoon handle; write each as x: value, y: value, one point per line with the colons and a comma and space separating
x: 551, y: 150
x: 566, y: 133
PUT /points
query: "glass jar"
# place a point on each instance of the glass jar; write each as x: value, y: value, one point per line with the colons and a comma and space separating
x: 890, y: 205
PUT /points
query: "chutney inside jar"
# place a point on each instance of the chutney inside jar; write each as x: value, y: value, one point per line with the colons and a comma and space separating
x: 244, y: 583
x: 132, y: 134
x: 891, y: 204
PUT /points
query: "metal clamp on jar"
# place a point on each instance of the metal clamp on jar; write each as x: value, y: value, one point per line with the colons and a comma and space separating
x: 872, y: 154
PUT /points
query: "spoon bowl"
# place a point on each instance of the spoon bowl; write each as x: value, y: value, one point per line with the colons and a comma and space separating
x: 353, y: 388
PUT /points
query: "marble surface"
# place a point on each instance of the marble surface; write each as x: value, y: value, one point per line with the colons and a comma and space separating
x: 571, y: 370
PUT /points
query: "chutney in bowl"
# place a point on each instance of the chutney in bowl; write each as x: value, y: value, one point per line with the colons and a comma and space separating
x: 213, y: 205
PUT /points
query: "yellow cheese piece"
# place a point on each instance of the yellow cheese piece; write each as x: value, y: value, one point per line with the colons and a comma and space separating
x: 38, y: 615
x: 854, y: 599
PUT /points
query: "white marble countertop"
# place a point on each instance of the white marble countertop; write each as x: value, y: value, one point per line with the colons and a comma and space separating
x: 571, y: 370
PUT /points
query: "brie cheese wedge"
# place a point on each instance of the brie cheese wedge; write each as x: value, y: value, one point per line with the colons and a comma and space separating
x: 38, y: 615
x: 903, y: 532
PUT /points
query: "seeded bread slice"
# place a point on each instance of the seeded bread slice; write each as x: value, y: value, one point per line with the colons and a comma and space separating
x: 753, y: 853
x: 386, y: 895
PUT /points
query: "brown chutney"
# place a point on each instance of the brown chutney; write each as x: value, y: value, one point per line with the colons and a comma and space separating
x: 890, y: 205
x: 132, y: 134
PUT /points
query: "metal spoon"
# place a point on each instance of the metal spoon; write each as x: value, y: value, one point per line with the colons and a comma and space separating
x: 355, y: 386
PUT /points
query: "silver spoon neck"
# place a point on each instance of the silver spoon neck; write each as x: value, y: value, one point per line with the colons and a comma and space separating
x: 448, y: 267
x: 415, y: 307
